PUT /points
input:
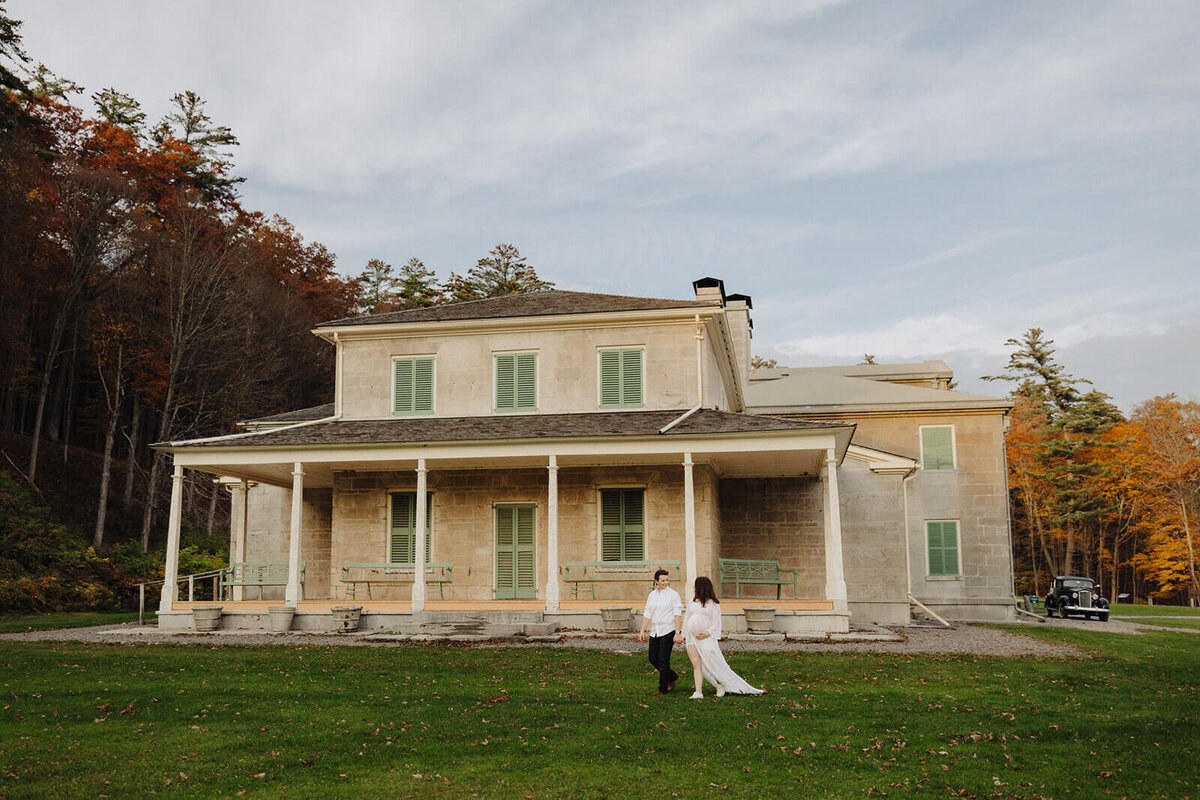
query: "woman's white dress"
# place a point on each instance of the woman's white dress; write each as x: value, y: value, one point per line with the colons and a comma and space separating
x: 707, y: 617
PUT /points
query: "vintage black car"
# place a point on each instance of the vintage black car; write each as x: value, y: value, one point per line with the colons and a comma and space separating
x: 1073, y: 595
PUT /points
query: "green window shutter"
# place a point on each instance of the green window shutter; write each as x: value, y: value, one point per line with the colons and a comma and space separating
x: 413, y: 386
x: 610, y: 377
x: 423, y: 385
x: 403, y: 402
x: 527, y: 381
x: 943, y: 547
x: 622, y: 529
x: 610, y: 525
x: 506, y: 382
x: 620, y: 378
x: 937, y: 448
x: 631, y: 378
x: 404, y: 525
x: 516, y: 382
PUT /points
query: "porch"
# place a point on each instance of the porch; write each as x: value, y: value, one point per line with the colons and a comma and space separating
x: 508, y: 516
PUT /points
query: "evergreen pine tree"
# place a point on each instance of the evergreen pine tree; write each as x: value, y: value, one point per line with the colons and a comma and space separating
x: 1075, y: 423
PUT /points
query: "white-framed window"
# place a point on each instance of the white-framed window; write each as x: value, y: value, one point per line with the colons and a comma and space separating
x: 937, y: 447
x: 622, y: 377
x: 402, y: 527
x: 942, y: 548
x: 412, y: 385
x: 516, y: 381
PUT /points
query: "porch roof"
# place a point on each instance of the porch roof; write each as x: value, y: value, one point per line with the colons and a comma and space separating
x: 510, y: 427
x: 731, y: 443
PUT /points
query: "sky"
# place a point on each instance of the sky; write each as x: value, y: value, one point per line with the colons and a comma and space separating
x: 918, y: 180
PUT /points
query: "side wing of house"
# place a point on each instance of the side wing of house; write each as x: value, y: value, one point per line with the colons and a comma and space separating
x: 933, y: 523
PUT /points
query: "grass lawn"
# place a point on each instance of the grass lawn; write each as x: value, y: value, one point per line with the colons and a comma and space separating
x: 83, y: 720
x: 50, y: 622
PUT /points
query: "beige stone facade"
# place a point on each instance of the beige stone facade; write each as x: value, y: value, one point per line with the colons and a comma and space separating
x: 766, y: 455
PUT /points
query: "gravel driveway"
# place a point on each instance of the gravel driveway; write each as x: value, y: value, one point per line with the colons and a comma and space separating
x: 963, y: 638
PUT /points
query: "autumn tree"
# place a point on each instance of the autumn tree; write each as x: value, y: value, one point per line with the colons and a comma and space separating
x: 503, y: 271
x: 1168, y: 446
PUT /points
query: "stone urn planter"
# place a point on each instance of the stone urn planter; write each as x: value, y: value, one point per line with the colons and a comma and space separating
x: 206, y: 618
x: 345, y: 618
x: 281, y: 618
x: 615, y: 619
x: 760, y: 619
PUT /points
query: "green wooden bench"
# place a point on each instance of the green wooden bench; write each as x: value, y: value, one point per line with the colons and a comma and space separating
x: 356, y: 575
x: 749, y: 571
x: 257, y: 573
x: 581, y: 572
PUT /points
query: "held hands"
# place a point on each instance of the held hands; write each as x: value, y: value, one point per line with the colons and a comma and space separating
x: 679, y: 638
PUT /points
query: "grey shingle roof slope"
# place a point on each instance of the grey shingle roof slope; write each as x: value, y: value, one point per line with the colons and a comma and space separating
x: 530, y: 304
x: 533, y: 426
x: 299, y: 415
x: 811, y: 390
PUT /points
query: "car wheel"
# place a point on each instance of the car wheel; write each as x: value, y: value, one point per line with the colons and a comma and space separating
x: 1062, y: 611
x: 1104, y: 616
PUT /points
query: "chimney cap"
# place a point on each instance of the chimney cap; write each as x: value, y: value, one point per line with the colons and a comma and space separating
x: 733, y: 298
x: 710, y: 283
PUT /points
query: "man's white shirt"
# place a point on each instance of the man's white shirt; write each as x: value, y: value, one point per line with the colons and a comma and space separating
x: 662, y: 606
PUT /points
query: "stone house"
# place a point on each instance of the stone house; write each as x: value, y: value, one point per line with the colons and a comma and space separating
x: 517, y: 443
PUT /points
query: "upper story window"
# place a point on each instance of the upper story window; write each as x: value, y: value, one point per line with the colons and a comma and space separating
x: 621, y: 378
x: 516, y: 381
x: 937, y: 447
x: 412, y: 386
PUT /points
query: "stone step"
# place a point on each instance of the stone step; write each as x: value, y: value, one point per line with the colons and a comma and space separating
x: 488, y: 617
x: 477, y: 628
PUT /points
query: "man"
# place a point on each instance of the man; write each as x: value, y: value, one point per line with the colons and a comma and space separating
x: 663, y: 613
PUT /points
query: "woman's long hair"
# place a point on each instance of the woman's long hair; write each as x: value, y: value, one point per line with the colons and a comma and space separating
x: 705, y: 591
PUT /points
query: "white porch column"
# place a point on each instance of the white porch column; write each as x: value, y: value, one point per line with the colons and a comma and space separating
x: 419, y: 543
x: 292, y: 594
x: 689, y: 528
x: 835, y: 580
x: 171, y: 568
x: 239, y: 507
x: 552, y: 591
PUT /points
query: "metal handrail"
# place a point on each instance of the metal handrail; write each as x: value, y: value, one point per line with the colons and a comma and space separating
x: 215, y: 574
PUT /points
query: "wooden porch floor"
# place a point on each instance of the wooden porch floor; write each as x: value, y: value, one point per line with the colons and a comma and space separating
x: 728, y: 604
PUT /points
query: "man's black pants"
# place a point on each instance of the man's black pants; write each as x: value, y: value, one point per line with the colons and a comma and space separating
x: 660, y: 658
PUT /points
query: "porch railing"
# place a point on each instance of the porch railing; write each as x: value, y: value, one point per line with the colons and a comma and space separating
x: 190, y: 580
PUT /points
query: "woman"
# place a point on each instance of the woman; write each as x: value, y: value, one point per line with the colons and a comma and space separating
x: 701, y: 631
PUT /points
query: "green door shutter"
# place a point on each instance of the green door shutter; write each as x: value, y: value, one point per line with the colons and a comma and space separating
x: 404, y: 525
x: 937, y: 448
x: 515, y: 553
x: 622, y: 528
